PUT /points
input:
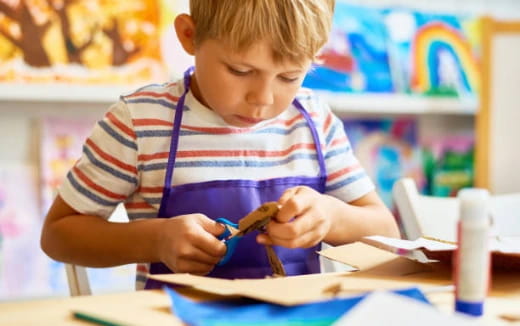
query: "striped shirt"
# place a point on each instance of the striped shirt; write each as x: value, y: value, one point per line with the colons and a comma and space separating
x: 124, y: 159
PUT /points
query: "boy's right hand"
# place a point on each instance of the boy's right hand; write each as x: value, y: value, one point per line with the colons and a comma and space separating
x: 189, y: 244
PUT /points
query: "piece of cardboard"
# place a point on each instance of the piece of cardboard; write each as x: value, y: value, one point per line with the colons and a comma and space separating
x: 505, y: 250
x: 373, y: 263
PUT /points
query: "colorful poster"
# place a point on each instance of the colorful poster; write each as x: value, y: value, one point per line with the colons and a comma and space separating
x: 61, y: 145
x: 23, y: 266
x: 80, y: 42
x: 355, y: 59
x: 434, y: 54
x: 449, y: 163
x: 388, y: 149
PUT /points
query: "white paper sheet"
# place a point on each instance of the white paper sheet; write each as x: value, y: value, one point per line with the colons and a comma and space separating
x: 393, y: 309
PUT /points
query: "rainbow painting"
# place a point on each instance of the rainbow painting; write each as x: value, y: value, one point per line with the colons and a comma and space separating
x: 434, y: 54
x: 443, y: 56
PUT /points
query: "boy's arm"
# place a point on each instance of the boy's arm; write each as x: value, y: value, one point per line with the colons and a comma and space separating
x: 365, y: 216
x: 89, y: 240
x: 186, y: 244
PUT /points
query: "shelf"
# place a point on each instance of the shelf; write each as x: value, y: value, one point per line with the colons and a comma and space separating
x: 341, y: 103
x: 398, y: 104
x: 63, y: 93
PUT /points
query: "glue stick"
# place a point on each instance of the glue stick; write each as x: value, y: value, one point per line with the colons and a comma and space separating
x: 472, y: 258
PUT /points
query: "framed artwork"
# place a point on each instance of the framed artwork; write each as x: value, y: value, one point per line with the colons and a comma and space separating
x: 88, y: 42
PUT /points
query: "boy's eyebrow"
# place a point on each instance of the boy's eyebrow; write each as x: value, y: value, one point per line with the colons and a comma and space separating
x: 254, y: 67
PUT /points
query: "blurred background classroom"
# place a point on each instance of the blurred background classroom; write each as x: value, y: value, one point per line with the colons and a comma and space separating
x: 405, y: 76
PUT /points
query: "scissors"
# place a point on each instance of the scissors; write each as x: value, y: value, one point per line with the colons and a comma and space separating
x: 255, y: 220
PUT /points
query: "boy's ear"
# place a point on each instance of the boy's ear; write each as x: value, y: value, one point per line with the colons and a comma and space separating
x: 185, y: 29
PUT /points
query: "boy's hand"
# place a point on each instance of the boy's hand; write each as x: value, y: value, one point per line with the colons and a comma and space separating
x: 302, y: 222
x: 189, y: 244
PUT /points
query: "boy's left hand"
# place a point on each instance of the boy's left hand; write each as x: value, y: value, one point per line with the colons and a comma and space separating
x: 302, y: 221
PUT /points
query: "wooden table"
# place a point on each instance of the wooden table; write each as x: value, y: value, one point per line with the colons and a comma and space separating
x: 152, y: 307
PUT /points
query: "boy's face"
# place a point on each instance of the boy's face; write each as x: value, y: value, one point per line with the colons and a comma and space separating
x: 245, y: 88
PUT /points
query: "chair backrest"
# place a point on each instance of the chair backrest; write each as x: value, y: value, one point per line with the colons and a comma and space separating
x: 422, y: 215
x: 437, y: 217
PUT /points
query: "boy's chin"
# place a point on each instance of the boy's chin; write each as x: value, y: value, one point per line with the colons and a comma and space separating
x: 242, y: 122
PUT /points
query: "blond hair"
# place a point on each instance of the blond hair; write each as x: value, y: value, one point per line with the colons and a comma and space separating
x: 296, y: 29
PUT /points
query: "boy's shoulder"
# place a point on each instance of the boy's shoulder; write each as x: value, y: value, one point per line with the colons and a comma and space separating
x: 168, y: 90
x: 312, y: 102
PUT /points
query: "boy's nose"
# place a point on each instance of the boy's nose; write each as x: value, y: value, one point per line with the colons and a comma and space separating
x: 260, y: 96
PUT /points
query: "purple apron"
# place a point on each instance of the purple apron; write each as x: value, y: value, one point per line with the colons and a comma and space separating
x: 233, y: 199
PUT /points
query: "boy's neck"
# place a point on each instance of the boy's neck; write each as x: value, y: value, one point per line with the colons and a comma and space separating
x: 194, y: 88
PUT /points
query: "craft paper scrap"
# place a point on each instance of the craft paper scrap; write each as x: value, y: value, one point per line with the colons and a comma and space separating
x: 388, y: 305
x: 413, y: 244
x: 250, y: 312
x: 509, y: 245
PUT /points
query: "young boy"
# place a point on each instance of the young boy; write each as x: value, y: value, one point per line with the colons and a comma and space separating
x: 234, y: 133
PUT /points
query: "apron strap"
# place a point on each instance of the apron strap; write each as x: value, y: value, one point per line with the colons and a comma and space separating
x: 174, y: 143
x: 314, y: 132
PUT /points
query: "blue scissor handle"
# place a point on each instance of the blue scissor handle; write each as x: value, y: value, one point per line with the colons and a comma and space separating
x: 230, y: 243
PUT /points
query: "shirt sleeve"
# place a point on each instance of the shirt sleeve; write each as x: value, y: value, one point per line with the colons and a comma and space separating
x: 346, y: 178
x: 106, y: 173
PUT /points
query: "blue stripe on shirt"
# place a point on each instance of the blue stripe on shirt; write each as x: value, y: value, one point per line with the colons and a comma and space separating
x: 107, y: 168
x: 140, y: 100
x: 229, y: 163
x: 168, y: 132
x: 337, y: 152
x: 331, y: 133
x: 85, y: 192
x: 346, y: 181
x: 106, y: 127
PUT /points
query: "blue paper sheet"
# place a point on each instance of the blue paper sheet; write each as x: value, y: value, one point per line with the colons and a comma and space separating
x: 254, y: 313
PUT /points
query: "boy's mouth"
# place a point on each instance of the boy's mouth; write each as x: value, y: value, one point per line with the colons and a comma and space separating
x: 247, y: 120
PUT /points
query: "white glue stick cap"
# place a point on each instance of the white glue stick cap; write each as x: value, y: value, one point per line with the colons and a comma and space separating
x: 473, y: 203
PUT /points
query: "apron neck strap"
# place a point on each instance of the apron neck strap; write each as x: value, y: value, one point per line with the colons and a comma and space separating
x: 314, y: 132
x: 174, y: 143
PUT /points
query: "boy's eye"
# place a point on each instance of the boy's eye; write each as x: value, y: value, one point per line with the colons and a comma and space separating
x: 238, y: 72
x: 289, y: 79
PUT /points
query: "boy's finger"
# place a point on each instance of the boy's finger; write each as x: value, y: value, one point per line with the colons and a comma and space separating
x: 194, y: 267
x: 211, y: 226
x: 206, y: 236
x: 200, y: 255
x: 263, y: 239
x: 292, y: 208
x: 210, y: 244
x: 287, y: 195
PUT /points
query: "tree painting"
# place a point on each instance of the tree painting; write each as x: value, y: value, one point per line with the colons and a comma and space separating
x: 88, y: 41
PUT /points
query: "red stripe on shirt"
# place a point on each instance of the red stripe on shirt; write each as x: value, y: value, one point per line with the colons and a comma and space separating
x: 339, y: 141
x: 158, y: 189
x: 138, y: 205
x: 327, y: 123
x: 151, y: 122
x: 160, y: 122
x: 227, y: 153
x: 156, y: 95
x: 142, y: 268
x: 342, y: 172
x: 111, y: 159
x: 97, y: 187
x: 124, y: 128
